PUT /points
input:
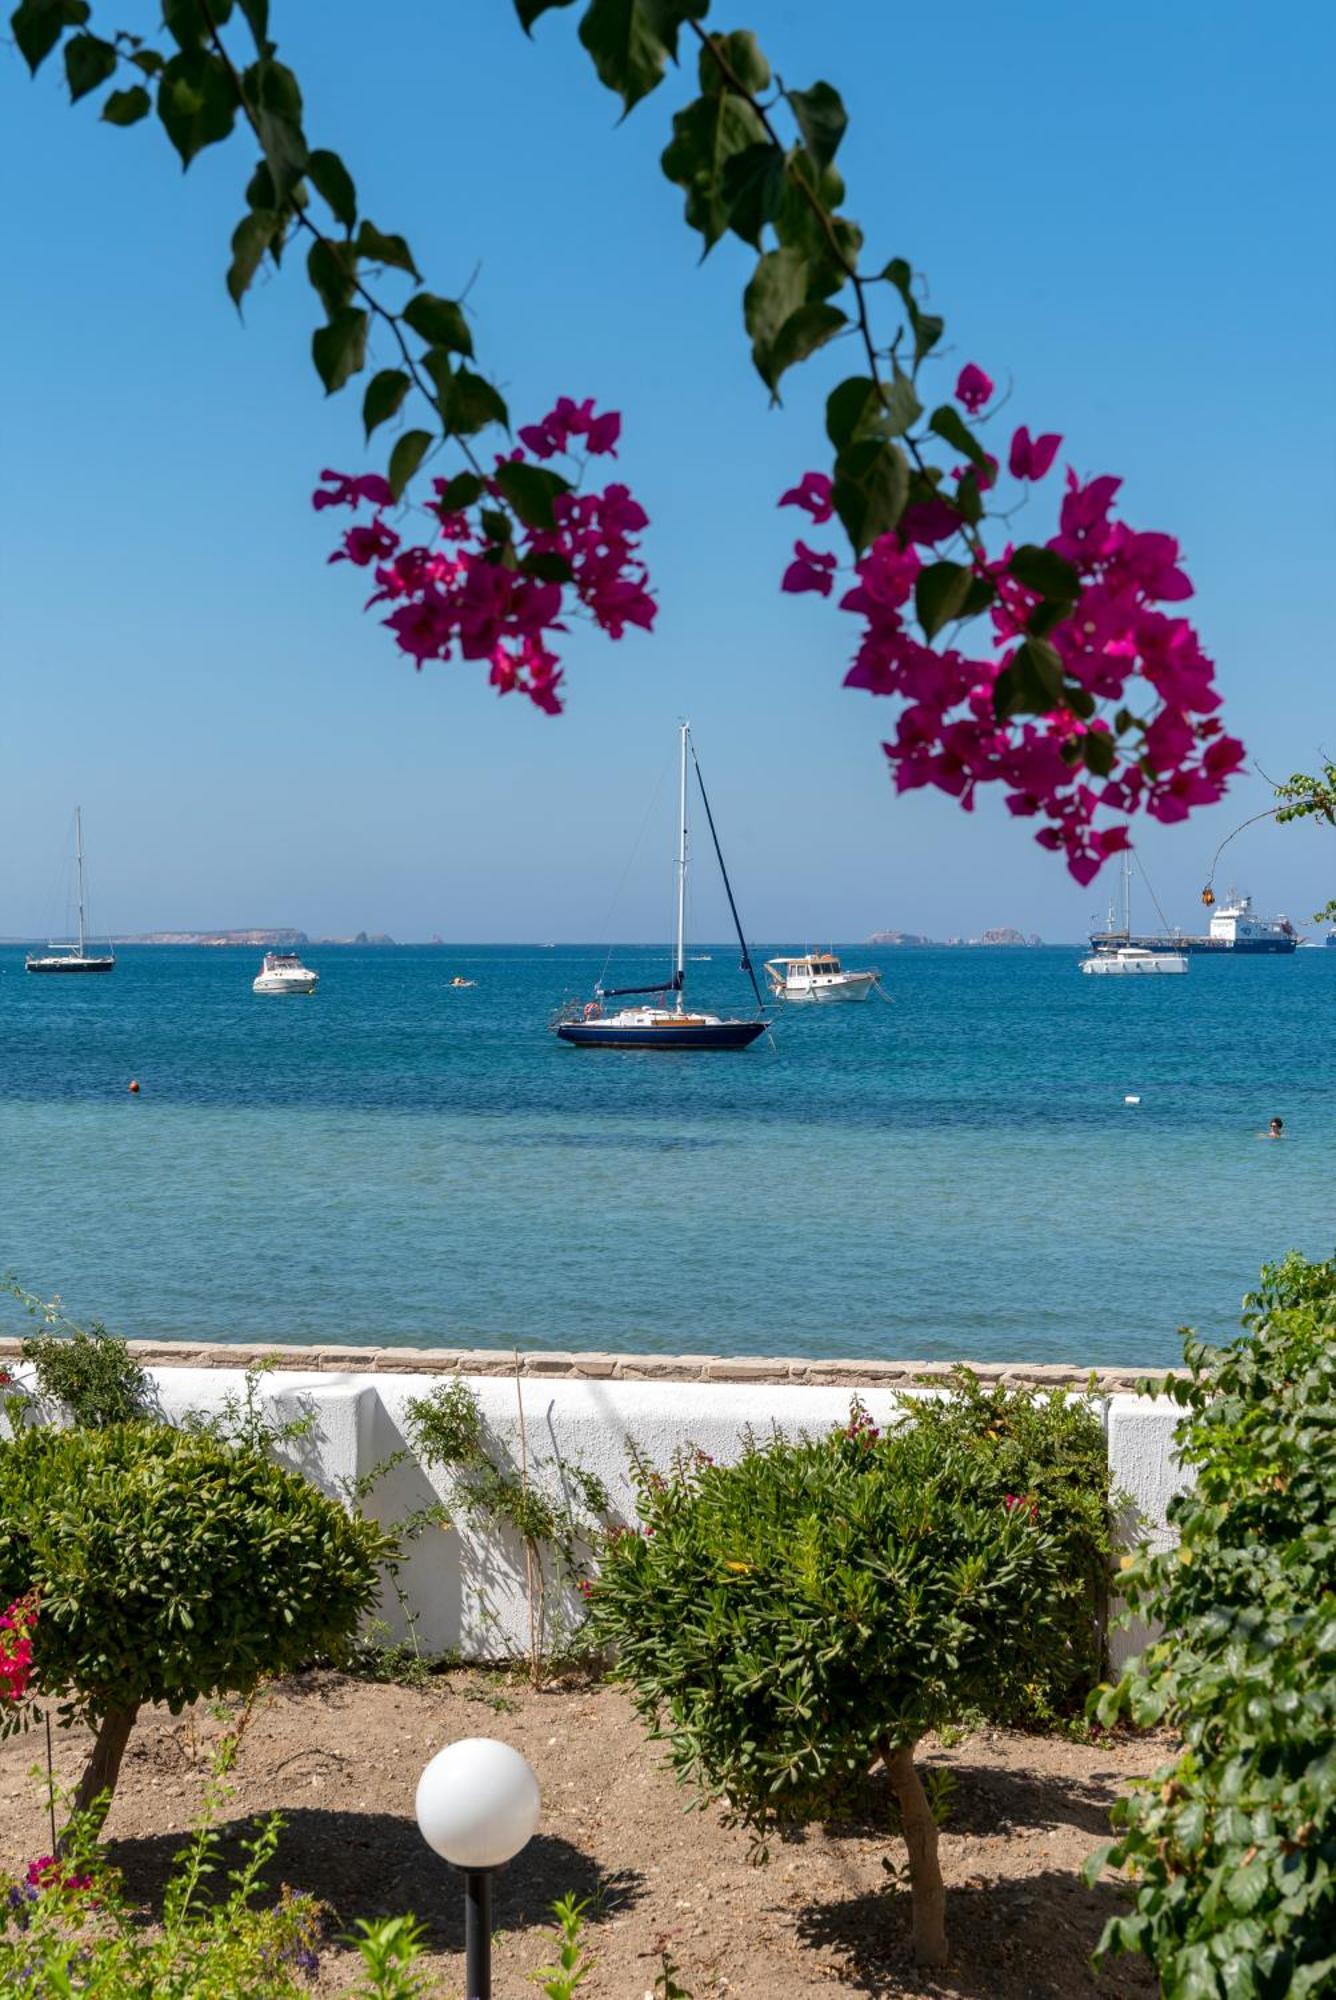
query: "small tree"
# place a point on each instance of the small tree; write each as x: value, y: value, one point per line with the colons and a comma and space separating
x: 169, y: 1565
x: 785, y: 1622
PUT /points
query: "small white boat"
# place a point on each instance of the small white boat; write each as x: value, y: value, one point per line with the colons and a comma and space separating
x: 1134, y: 958
x: 283, y: 972
x: 817, y: 976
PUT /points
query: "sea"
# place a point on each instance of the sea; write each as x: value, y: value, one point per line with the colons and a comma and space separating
x: 998, y: 1160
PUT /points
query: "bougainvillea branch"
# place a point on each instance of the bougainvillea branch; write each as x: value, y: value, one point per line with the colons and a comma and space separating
x: 1087, y: 701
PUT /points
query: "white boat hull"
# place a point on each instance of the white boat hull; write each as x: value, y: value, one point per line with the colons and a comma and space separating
x: 827, y: 992
x: 274, y: 983
x: 1135, y: 964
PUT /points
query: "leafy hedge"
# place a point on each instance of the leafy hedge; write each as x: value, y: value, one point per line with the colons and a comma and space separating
x: 1232, y: 1848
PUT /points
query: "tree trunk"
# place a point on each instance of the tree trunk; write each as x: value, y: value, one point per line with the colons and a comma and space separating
x: 926, y: 1889
x: 104, y: 1762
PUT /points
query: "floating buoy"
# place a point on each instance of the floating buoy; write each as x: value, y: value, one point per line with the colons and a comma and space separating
x: 134, y: 1086
x: 1126, y: 1100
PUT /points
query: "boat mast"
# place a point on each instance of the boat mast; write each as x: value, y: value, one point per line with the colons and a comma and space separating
x: 682, y: 871
x: 78, y: 855
x: 1127, y: 892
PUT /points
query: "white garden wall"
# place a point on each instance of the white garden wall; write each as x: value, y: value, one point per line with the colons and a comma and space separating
x: 466, y: 1585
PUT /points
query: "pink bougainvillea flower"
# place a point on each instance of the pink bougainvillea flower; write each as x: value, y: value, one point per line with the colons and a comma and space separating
x: 1031, y: 458
x: 351, y: 492
x: 973, y: 387
x: 812, y: 492
x: 811, y: 569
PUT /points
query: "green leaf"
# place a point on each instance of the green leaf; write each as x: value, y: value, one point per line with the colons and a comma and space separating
x: 407, y: 456
x: 89, y: 61
x: 777, y: 289
x: 979, y: 596
x: 496, y: 526
x: 196, y: 102
x: 632, y: 40
x: 472, y: 405
x: 530, y: 491
x: 335, y: 184
x: 440, y: 322
x: 859, y: 408
x: 250, y: 239
x: 870, y: 488
x: 926, y: 328
x: 950, y: 425
x: 339, y: 349
x: 39, y: 24
x: 939, y: 595
x: 709, y: 133
x: 1098, y: 749
x: 1045, y: 571
x: 127, y: 107
x: 385, y: 393
x: 547, y: 565
x: 801, y: 334
x: 187, y: 24
x: 330, y: 267
x: 821, y: 118
x: 727, y: 62
x: 460, y: 492
x: 529, y: 11
x: 1030, y: 684
x: 753, y: 188
x: 275, y: 98
x: 257, y: 18
x: 148, y: 61
x: 378, y: 248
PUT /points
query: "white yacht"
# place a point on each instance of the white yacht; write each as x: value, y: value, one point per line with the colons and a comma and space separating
x: 817, y: 976
x: 1135, y: 958
x: 283, y: 972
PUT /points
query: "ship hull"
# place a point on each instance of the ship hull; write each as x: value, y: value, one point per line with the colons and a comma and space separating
x: 684, y: 1035
x: 71, y: 965
x: 1206, y: 946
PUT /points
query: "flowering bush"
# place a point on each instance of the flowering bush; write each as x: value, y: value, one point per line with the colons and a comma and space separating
x: 67, y: 1929
x: 786, y: 1622
x: 511, y: 555
x: 16, y: 1625
x: 1230, y: 1848
x: 1080, y: 642
x: 171, y: 1565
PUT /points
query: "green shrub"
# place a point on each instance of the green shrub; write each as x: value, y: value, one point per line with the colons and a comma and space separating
x: 1047, y: 1447
x: 170, y: 1565
x: 1232, y: 1848
x: 66, y: 1929
x: 89, y: 1376
x: 785, y: 1622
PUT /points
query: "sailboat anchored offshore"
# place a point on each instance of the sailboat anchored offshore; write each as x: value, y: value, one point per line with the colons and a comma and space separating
x: 664, y: 1027
x: 74, y: 957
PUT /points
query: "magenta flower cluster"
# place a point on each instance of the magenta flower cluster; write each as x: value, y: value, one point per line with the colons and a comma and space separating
x: 16, y: 1625
x: 1119, y: 651
x: 463, y: 593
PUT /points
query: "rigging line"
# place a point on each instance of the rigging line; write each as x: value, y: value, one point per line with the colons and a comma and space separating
x: 1150, y: 888
x: 636, y: 846
x: 747, y: 965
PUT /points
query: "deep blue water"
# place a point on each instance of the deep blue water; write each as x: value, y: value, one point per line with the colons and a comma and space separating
x: 956, y: 1174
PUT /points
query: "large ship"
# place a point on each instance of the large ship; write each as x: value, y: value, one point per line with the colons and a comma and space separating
x: 1234, y: 927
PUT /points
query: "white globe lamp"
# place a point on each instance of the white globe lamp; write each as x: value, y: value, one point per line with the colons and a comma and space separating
x: 477, y: 1805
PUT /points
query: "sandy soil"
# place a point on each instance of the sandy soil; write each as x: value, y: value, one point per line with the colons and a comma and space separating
x: 340, y: 1759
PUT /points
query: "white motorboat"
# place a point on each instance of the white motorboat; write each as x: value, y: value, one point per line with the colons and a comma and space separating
x: 74, y: 957
x: 1135, y: 958
x: 283, y: 972
x: 817, y: 976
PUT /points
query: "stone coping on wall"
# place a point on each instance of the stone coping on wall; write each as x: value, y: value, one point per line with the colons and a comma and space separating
x: 760, y: 1369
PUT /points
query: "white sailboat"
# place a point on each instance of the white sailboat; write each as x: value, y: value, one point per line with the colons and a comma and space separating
x: 664, y: 1027
x: 1127, y: 958
x: 72, y: 957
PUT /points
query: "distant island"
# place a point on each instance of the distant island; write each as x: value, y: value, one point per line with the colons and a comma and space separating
x: 1005, y: 934
x: 258, y: 940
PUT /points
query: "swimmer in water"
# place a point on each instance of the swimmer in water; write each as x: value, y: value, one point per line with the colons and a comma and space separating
x: 1276, y: 1129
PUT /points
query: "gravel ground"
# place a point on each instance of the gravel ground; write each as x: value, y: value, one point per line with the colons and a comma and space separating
x: 340, y: 1760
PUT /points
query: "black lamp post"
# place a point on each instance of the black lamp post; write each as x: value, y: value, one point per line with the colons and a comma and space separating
x: 477, y: 1806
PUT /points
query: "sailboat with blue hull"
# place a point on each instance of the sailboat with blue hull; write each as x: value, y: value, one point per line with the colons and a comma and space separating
x: 663, y: 1026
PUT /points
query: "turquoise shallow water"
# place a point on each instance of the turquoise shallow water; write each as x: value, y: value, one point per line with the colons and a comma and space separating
x: 392, y: 1161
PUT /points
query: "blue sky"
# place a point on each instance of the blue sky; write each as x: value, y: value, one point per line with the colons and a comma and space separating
x: 1124, y: 212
